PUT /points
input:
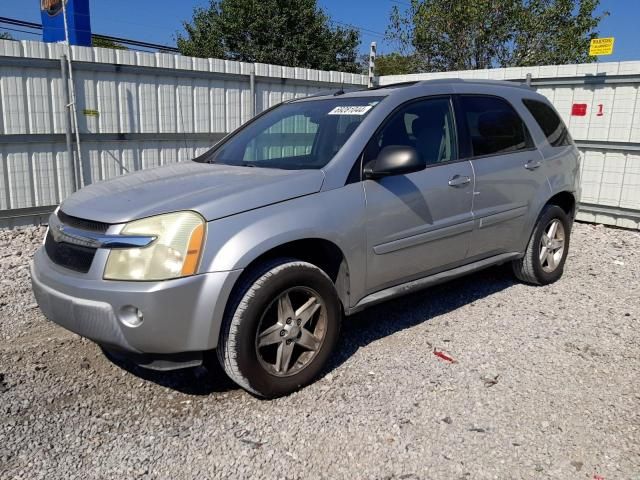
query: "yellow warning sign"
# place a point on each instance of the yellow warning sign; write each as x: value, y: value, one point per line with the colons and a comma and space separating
x: 601, y: 46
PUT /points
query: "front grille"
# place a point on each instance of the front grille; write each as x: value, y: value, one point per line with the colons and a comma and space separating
x: 73, y: 257
x: 81, y: 223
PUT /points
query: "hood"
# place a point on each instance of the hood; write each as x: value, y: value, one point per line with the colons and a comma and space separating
x: 215, y: 191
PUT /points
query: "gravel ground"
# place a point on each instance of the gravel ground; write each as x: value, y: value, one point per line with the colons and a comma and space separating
x: 545, y: 384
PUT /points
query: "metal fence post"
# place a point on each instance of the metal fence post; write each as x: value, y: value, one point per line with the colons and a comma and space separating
x: 85, y: 169
x: 75, y: 175
x: 252, y: 90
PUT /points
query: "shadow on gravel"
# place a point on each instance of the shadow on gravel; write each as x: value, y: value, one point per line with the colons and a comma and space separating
x: 191, y: 381
x: 405, y: 312
x: 358, y: 331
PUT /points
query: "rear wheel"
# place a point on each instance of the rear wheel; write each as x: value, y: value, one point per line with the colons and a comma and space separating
x: 281, y: 328
x: 546, y: 254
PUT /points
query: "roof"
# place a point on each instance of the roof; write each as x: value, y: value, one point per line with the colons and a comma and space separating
x: 385, y: 90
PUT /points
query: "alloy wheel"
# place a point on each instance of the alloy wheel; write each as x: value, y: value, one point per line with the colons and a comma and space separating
x: 291, y: 331
x: 552, y: 245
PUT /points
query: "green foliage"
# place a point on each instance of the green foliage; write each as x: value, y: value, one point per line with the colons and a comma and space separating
x: 556, y: 33
x: 474, y: 34
x: 282, y: 32
x: 395, y: 64
x: 5, y: 36
x: 104, y: 43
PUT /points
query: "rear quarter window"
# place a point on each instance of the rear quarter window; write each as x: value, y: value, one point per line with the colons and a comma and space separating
x: 551, y: 124
x: 493, y: 125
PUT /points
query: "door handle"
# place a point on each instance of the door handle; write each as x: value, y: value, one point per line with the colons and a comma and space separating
x: 533, y: 164
x: 459, y: 181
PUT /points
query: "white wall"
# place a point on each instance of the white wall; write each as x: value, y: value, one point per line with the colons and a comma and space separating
x: 161, y: 108
x: 153, y: 109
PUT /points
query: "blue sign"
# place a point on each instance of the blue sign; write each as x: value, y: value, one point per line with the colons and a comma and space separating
x: 78, y: 21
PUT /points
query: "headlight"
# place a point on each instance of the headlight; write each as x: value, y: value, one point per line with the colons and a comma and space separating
x: 174, y: 253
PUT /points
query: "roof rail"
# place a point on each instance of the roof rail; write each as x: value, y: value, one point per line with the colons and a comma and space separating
x: 479, y: 81
x: 506, y: 83
x: 395, y: 85
x: 328, y: 93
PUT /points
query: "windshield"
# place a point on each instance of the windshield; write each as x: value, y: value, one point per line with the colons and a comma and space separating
x: 294, y: 136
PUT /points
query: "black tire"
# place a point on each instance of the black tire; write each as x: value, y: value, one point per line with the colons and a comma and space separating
x: 529, y: 268
x: 237, y: 347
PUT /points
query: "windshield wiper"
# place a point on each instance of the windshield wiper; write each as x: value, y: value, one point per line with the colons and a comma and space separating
x: 231, y: 164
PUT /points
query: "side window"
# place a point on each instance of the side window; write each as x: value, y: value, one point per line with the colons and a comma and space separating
x: 425, y: 125
x: 550, y: 123
x: 493, y: 126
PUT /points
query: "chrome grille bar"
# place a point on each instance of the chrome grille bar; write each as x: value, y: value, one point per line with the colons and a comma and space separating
x: 86, y: 238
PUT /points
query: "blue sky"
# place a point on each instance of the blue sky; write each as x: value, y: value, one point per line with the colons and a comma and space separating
x: 158, y: 20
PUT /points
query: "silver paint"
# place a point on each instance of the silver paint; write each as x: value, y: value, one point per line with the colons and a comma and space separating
x: 396, y: 234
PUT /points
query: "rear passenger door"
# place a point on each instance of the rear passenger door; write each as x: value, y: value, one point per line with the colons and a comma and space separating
x: 507, y: 168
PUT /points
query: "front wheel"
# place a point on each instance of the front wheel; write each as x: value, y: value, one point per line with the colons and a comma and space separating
x: 281, y: 328
x: 546, y: 254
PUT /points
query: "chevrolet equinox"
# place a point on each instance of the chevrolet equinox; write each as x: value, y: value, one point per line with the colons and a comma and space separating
x: 251, y: 254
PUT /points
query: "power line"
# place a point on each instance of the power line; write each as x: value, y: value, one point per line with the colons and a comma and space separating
x: 126, y: 41
x: 37, y: 34
x: 356, y: 27
x: 20, y: 31
x: 138, y: 43
x: 20, y: 23
x: 119, y: 21
x: 39, y: 27
x: 151, y: 45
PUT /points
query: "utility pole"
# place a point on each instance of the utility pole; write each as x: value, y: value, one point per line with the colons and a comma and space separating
x: 85, y: 174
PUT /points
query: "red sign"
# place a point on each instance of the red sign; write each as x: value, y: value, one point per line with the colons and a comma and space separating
x: 579, y: 110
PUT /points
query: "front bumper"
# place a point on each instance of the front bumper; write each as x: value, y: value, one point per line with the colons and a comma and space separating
x: 181, y: 315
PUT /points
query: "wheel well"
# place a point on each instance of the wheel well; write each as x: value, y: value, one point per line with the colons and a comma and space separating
x: 324, y: 254
x: 566, y: 201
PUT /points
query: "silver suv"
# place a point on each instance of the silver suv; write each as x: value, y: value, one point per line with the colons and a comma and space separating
x: 315, y: 209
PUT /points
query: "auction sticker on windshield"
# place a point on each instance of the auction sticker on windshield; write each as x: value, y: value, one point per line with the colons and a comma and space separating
x: 351, y: 110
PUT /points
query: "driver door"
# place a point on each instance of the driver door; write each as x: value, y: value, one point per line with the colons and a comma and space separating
x: 418, y: 223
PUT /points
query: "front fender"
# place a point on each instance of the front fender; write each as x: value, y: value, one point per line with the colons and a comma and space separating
x: 335, y: 215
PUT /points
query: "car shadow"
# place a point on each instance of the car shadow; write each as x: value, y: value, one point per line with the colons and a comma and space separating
x: 191, y: 381
x: 408, y: 311
x: 407, y: 191
x: 358, y: 331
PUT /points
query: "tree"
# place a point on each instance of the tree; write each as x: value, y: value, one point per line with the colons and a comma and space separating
x: 571, y: 24
x: 106, y: 43
x: 474, y: 34
x: 395, y: 64
x: 5, y: 36
x: 281, y: 32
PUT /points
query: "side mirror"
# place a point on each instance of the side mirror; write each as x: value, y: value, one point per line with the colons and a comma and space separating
x: 394, y: 160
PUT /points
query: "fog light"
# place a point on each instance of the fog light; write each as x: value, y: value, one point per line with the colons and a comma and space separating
x: 131, y: 316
